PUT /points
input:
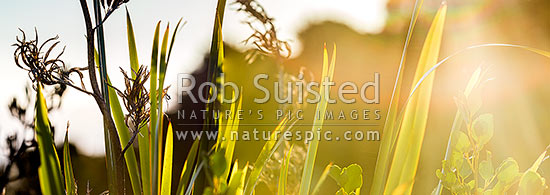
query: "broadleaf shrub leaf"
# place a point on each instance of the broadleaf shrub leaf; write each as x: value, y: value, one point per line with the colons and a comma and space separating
x: 486, y: 170
x: 508, y: 171
x: 483, y: 128
x: 531, y: 183
x: 461, y: 142
x: 218, y: 163
x: 349, y: 178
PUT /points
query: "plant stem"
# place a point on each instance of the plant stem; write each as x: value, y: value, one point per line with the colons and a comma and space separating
x: 475, y: 155
x: 115, y: 168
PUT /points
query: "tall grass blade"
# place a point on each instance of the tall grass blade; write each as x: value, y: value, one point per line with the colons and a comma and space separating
x: 389, y: 135
x: 328, y: 72
x: 158, y: 128
x: 284, y: 172
x: 230, y: 142
x: 234, y: 181
x: 222, y: 141
x: 215, y: 59
x: 411, y: 130
x: 194, y: 177
x: 216, y: 48
x: 213, y: 70
x: 124, y: 136
x: 49, y: 171
x: 166, y: 186
x: 154, y: 143
x: 123, y: 133
x: 115, y: 167
x: 144, y: 136
x: 173, y: 39
x: 70, y: 183
x: 144, y: 159
x: 188, y: 168
x: 159, y: 122
x: 134, y: 62
x: 237, y: 179
x: 162, y: 63
x: 264, y: 155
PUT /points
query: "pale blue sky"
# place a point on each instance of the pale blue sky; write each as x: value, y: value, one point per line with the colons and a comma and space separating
x: 64, y: 18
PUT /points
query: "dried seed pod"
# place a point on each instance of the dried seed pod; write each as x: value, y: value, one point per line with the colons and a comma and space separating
x: 136, y: 100
x: 29, y: 55
x: 265, y: 35
x: 135, y: 97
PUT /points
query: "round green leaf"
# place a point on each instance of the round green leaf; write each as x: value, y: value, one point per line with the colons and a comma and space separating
x: 531, y: 183
x: 218, y: 163
x: 483, y: 128
x: 508, y: 171
x: 486, y: 170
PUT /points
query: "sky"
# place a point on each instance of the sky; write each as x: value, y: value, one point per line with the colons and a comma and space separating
x: 64, y: 18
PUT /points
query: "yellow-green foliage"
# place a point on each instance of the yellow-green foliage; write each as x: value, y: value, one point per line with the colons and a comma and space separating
x: 49, y: 172
x: 328, y: 73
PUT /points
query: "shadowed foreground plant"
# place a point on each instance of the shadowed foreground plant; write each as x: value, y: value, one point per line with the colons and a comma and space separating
x: 70, y: 182
x: 145, y: 116
x: 113, y: 148
x: 45, y: 71
x: 49, y: 171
